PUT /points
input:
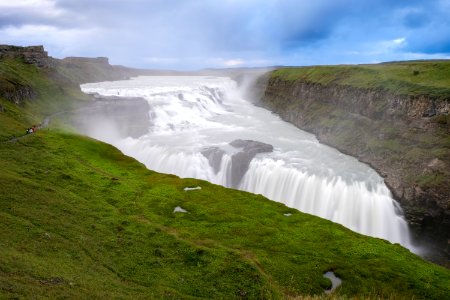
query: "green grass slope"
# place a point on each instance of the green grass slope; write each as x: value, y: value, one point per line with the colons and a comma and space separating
x: 38, y: 92
x: 78, y: 219
x: 405, y: 78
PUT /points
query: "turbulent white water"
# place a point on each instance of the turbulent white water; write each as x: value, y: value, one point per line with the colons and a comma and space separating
x: 191, y: 114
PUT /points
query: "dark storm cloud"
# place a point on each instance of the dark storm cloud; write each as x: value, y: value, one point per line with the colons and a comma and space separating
x: 416, y: 19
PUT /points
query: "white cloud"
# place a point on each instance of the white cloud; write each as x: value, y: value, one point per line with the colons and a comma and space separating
x: 27, y: 3
x: 60, y: 40
x: 34, y: 8
x: 399, y: 41
x: 234, y: 62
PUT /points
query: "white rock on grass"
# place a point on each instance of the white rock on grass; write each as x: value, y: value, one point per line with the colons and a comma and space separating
x: 287, y: 215
x: 179, y: 209
x: 192, y: 188
x: 335, y: 281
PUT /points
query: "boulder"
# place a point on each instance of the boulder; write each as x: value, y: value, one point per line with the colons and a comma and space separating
x: 241, y: 160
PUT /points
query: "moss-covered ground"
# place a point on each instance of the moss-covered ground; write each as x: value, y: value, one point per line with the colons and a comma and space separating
x: 78, y: 219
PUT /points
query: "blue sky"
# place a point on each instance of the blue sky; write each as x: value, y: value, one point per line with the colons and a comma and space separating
x: 193, y: 34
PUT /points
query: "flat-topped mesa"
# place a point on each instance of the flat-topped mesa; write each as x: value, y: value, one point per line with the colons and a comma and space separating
x: 95, y: 69
x: 35, y: 55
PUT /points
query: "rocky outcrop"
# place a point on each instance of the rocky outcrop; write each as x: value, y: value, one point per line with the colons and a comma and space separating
x: 240, y: 161
x: 214, y: 156
x: 16, y: 92
x: 406, y: 138
x: 375, y: 104
x: 35, y: 55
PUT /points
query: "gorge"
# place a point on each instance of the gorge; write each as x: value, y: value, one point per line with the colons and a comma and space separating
x: 393, y: 116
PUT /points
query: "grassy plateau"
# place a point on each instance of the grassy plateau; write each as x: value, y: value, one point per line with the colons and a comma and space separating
x: 408, y: 78
x: 80, y: 220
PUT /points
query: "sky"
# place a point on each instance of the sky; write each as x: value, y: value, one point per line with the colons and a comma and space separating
x: 195, y: 34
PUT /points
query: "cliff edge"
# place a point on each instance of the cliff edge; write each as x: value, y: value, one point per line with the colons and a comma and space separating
x: 393, y: 116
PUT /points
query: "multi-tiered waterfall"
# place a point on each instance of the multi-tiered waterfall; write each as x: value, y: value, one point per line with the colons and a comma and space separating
x: 202, y: 127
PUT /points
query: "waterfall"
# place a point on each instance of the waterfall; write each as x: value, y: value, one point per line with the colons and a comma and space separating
x: 202, y: 127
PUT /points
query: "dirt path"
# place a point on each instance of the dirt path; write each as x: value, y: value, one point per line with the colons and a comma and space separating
x: 44, y: 124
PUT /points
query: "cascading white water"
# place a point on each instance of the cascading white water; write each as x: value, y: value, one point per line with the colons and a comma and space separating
x: 193, y: 113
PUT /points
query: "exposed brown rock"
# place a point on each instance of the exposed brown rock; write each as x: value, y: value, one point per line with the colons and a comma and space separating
x: 35, y: 55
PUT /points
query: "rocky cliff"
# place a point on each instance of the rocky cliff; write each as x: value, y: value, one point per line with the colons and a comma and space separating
x: 17, y: 90
x: 87, y: 69
x: 35, y: 55
x: 70, y: 71
x: 403, y: 135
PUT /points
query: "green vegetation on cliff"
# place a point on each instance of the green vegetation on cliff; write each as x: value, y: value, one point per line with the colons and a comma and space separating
x: 81, y: 220
x: 396, y: 137
x: 28, y: 94
x: 407, y: 78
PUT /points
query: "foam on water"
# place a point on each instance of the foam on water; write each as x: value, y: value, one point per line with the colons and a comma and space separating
x: 189, y: 114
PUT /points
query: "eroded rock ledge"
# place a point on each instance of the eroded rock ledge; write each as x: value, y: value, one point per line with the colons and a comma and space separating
x: 240, y: 161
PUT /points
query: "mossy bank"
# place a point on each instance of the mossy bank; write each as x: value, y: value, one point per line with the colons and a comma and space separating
x: 393, y: 116
x: 81, y: 220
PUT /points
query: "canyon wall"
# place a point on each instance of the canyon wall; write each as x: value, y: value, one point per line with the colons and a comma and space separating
x: 405, y: 137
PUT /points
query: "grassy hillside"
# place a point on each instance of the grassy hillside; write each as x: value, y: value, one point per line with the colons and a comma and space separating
x: 81, y: 220
x: 37, y: 92
x: 408, y: 78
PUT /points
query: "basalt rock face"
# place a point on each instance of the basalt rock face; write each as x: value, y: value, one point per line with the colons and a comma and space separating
x: 16, y: 92
x: 214, y: 156
x: 240, y: 160
x: 405, y: 138
x: 35, y: 55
